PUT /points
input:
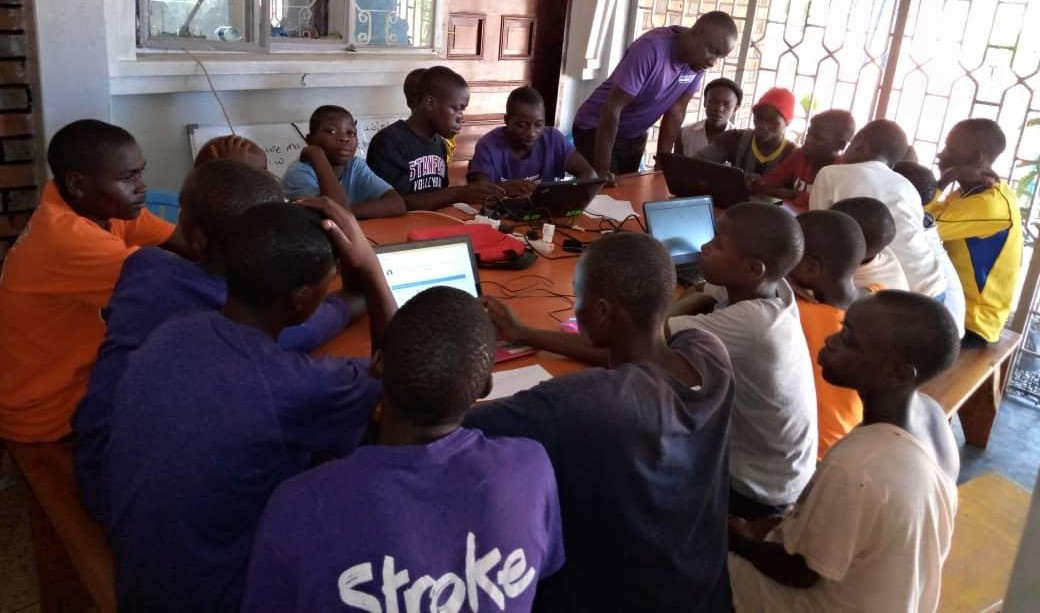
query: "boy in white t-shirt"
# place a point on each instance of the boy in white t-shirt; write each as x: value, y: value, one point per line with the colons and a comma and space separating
x: 866, y: 171
x: 873, y: 527
x: 773, y: 434
x: 880, y: 266
x: 924, y: 181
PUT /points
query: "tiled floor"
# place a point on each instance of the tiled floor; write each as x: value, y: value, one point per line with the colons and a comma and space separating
x: 1013, y: 451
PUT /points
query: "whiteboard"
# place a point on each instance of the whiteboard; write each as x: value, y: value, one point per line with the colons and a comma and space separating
x: 283, y: 141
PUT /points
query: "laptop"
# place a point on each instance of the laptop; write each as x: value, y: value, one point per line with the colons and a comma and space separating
x: 683, y: 225
x: 551, y: 199
x: 411, y: 267
x: 693, y: 177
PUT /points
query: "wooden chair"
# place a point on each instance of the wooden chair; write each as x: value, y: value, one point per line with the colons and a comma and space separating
x: 973, y: 388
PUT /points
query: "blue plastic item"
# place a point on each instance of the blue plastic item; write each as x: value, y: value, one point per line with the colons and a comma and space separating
x: 164, y: 204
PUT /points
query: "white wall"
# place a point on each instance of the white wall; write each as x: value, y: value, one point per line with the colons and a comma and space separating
x: 90, y: 68
x: 159, y: 121
x: 73, y: 62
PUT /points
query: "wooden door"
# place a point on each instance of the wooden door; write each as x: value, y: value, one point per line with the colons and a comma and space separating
x: 496, y: 46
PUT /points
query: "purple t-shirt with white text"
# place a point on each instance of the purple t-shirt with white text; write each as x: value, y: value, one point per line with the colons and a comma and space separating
x: 465, y: 523
x: 547, y: 160
x: 651, y: 74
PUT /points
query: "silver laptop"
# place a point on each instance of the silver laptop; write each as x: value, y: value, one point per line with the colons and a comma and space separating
x: 683, y: 225
x: 411, y: 267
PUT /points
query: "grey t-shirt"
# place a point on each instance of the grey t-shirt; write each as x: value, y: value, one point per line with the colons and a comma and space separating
x: 773, y: 436
x: 641, y: 464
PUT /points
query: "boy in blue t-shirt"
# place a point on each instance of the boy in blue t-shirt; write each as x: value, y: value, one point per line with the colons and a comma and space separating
x: 329, y: 167
x: 155, y: 285
x: 525, y: 152
x: 640, y: 449
x: 433, y: 515
x: 212, y: 415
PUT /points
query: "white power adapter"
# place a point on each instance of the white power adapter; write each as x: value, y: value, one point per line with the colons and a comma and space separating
x: 548, y: 232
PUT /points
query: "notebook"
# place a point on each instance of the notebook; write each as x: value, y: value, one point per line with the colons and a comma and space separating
x: 693, y: 177
x: 551, y: 200
x: 683, y: 225
x: 411, y: 267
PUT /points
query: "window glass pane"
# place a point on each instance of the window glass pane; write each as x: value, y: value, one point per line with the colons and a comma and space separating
x: 392, y: 23
x: 314, y: 19
x: 213, y: 20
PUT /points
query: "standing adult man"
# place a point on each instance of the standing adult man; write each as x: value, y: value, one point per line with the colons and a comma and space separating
x: 656, y: 77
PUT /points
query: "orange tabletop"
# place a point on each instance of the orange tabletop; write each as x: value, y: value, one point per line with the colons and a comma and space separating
x: 541, y: 296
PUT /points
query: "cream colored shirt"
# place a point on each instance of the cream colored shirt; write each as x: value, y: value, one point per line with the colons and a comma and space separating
x: 875, y: 523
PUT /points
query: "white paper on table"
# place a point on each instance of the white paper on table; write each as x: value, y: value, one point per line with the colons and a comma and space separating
x: 605, y: 206
x: 508, y: 382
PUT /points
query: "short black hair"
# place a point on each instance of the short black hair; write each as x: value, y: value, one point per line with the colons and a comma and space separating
x: 716, y: 19
x: 523, y: 95
x: 633, y: 270
x: 438, y: 351
x: 921, y: 177
x: 439, y: 82
x: 841, y: 121
x: 768, y: 233
x: 885, y: 139
x: 724, y: 82
x: 986, y: 135
x: 272, y: 249
x: 874, y: 219
x: 83, y: 146
x: 323, y: 111
x: 834, y: 240
x: 218, y: 191
x: 920, y: 330
x: 411, y: 87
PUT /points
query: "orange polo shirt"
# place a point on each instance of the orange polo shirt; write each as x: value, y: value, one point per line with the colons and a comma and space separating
x: 57, y: 277
x: 839, y: 409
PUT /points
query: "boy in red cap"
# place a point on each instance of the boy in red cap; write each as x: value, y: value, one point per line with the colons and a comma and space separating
x: 761, y: 149
x: 828, y: 134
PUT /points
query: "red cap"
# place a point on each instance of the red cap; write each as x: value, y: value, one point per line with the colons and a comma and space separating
x: 780, y: 99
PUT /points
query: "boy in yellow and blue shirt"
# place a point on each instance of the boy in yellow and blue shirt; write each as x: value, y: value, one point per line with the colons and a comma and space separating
x: 980, y: 226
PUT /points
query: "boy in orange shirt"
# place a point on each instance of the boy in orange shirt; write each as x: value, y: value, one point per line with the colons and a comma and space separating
x: 834, y: 247
x: 61, y: 272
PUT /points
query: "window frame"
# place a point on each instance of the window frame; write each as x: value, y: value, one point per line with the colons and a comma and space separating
x: 265, y: 44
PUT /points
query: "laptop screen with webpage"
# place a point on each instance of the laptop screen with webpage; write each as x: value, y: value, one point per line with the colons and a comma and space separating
x: 411, y: 267
x: 682, y: 225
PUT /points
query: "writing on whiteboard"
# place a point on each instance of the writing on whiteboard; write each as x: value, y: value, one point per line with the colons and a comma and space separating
x: 283, y: 141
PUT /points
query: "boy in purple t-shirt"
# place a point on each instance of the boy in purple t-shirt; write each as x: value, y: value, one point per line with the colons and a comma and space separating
x: 434, y: 516
x: 211, y: 415
x: 656, y: 77
x: 525, y: 152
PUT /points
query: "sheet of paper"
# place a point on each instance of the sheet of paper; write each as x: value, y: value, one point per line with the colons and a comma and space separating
x: 508, y: 382
x: 605, y: 206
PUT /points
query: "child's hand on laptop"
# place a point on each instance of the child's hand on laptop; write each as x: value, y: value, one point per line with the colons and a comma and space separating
x: 507, y: 326
x: 519, y: 188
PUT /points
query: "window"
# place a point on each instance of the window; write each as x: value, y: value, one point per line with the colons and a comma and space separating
x: 235, y: 24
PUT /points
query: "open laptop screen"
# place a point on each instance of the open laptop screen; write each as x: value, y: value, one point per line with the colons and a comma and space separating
x: 682, y: 224
x: 411, y: 267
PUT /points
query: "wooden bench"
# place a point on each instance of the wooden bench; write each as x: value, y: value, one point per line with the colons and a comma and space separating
x: 991, y: 514
x: 73, y: 559
x: 973, y: 387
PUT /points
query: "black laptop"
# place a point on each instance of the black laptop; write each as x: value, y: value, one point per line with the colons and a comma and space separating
x: 683, y: 225
x: 551, y: 200
x: 694, y: 177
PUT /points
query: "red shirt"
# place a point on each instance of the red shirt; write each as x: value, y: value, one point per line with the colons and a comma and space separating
x: 795, y: 172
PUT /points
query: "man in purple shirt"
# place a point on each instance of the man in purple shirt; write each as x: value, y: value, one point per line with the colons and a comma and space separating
x: 433, y: 516
x: 525, y: 152
x: 657, y: 76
